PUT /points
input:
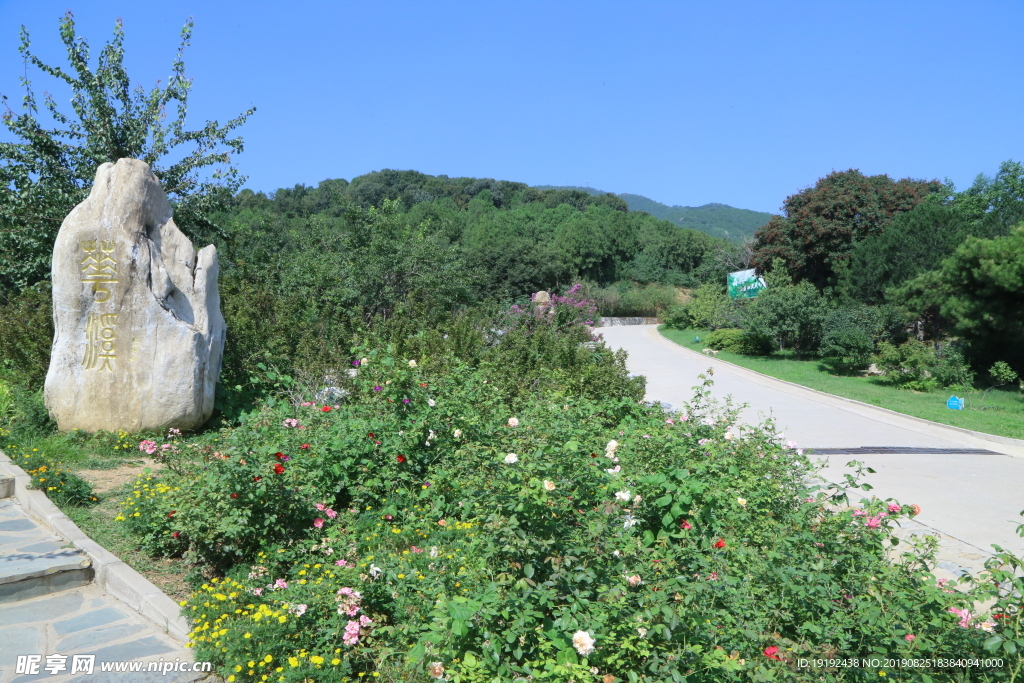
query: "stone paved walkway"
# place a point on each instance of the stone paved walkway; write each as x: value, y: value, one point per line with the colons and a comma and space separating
x: 71, y: 615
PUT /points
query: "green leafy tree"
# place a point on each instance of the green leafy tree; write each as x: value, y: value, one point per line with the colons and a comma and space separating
x: 710, y: 308
x: 850, y: 334
x: 997, y: 202
x: 790, y: 314
x: 914, y: 242
x: 979, y: 290
x: 820, y: 225
x: 50, y: 170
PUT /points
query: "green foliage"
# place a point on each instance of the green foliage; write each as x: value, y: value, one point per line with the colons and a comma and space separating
x: 26, y: 319
x: 518, y: 238
x: 51, y: 170
x: 952, y: 369
x: 670, y: 542
x: 908, y: 365
x: 60, y: 485
x: 821, y: 224
x: 979, y: 290
x: 1002, y: 373
x: 294, y: 301
x: 739, y: 341
x: 847, y: 348
x: 626, y: 299
x: 26, y: 415
x: 912, y: 243
x: 791, y: 315
x: 678, y: 317
x: 710, y: 307
x: 996, y: 204
x: 850, y: 334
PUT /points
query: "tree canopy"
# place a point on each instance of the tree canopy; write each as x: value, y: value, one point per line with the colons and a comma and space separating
x: 50, y: 170
x: 821, y: 224
x: 979, y: 291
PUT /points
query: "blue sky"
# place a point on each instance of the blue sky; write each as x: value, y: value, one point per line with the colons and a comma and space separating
x: 687, y: 103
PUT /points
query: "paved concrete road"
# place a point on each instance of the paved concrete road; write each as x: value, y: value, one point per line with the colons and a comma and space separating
x: 974, y: 500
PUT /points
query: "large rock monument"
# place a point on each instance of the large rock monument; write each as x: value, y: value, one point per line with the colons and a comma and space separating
x: 138, y: 333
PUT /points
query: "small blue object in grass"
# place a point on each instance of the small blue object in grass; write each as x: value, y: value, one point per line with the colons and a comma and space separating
x: 696, y: 339
x: 955, y: 403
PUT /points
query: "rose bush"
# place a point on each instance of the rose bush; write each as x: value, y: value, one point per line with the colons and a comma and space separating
x: 523, y: 516
x: 401, y: 539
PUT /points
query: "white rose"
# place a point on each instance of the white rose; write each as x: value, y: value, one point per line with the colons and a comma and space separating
x: 549, y: 485
x: 583, y: 642
x: 513, y: 422
x: 511, y: 458
x: 412, y: 364
x: 623, y: 496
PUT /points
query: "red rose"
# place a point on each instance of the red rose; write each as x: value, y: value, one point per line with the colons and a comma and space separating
x: 278, y: 468
x: 720, y: 543
x: 175, y: 534
x: 371, y: 435
x: 686, y: 526
x: 400, y: 458
x: 304, y: 446
x: 326, y: 409
x: 256, y: 478
x: 423, y: 385
x: 278, y: 455
x: 171, y: 513
x: 772, y: 652
x: 234, y: 495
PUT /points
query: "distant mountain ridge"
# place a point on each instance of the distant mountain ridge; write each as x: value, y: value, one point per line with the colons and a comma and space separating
x: 717, y: 220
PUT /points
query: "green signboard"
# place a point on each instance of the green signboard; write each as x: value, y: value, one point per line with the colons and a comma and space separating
x: 745, y: 284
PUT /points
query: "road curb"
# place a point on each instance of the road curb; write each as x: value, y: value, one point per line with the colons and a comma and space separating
x: 112, y: 574
x: 1010, y: 447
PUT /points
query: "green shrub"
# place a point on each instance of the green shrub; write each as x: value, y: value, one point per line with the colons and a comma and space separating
x: 351, y: 546
x: 61, y: 486
x: 710, y: 308
x: 739, y: 341
x: 847, y: 349
x: 952, y: 369
x: 26, y: 412
x: 908, y: 365
x: 27, y: 323
x: 791, y: 315
x: 628, y: 299
x: 677, y: 317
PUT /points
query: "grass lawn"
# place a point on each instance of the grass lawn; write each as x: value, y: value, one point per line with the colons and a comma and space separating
x: 1002, y: 413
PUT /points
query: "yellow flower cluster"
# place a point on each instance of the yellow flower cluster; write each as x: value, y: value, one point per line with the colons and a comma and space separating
x: 221, y: 596
x: 145, y: 490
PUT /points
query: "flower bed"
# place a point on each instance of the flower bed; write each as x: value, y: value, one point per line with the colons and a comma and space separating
x: 424, y: 529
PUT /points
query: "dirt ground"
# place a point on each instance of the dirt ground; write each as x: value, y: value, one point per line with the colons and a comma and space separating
x: 108, y: 480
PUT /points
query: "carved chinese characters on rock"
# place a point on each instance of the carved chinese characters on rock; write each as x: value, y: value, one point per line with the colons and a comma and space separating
x: 99, y: 269
x: 138, y: 333
x: 100, y: 334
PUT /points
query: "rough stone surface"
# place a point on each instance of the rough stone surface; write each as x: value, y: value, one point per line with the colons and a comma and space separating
x: 138, y: 333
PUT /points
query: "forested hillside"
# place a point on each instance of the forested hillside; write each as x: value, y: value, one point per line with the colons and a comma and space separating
x: 717, y: 220
x: 512, y: 238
